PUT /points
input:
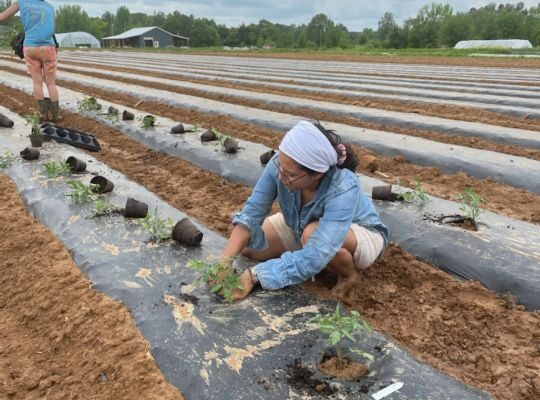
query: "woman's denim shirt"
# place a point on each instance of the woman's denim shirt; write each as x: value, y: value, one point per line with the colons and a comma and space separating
x: 339, y: 202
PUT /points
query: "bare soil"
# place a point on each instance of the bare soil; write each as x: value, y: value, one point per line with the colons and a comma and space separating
x: 461, y: 328
x: 389, y: 58
x: 59, y: 338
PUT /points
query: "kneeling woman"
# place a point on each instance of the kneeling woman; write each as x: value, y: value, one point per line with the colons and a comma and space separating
x: 325, y: 221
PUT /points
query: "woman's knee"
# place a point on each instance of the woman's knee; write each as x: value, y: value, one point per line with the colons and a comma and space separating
x: 308, y: 231
x: 275, y: 246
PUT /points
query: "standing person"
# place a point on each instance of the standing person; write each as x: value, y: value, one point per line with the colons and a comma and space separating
x: 40, y: 56
x: 325, y: 221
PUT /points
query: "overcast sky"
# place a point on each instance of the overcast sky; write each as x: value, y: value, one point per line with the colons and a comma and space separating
x: 355, y: 15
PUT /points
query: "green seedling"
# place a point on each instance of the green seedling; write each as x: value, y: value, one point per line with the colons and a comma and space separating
x: 337, y: 327
x: 81, y: 193
x: 148, y: 121
x: 158, y: 228
x: 196, y: 127
x: 219, y: 277
x: 112, y: 117
x: 54, y: 169
x: 220, y: 136
x: 470, y: 203
x: 88, y: 104
x: 33, y: 120
x: 417, y: 194
x: 6, y: 159
x: 103, y: 206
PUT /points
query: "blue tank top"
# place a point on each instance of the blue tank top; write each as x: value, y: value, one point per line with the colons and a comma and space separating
x: 37, y: 17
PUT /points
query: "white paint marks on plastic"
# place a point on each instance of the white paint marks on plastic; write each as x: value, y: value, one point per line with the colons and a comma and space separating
x: 381, y: 394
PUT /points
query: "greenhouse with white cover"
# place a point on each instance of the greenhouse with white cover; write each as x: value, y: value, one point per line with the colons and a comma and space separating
x: 77, y: 39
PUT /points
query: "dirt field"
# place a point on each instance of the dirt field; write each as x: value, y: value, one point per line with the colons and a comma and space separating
x: 62, y: 339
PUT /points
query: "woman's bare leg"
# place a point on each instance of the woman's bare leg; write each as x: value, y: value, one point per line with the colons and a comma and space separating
x: 275, y: 245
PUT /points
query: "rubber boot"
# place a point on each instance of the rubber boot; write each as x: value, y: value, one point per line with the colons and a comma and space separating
x: 43, y: 107
x: 55, y: 109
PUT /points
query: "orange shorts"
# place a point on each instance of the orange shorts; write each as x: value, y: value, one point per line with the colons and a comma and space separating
x: 41, y: 62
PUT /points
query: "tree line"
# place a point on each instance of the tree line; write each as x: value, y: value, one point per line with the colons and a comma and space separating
x: 435, y: 25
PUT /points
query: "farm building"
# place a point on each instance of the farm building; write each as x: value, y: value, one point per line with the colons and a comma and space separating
x: 77, y: 39
x: 152, y: 36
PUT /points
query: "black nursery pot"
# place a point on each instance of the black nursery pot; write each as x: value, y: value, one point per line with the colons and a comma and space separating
x: 266, y: 157
x: 135, y: 209
x: 178, y: 129
x: 384, y: 193
x: 104, y: 185
x: 76, y: 165
x: 30, y: 154
x: 5, y: 122
x: 113, y: 111
x: 208, y: 136
x: 36, y: 140
x: 185, y: 232
x: 128, y: 116
x: 230, y: 146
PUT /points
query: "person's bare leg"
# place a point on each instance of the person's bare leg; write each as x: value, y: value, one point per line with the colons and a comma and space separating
x: 275, y: 245
x: 342, y: 264
x: 37, y: 81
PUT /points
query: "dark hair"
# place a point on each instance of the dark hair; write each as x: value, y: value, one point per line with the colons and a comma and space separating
x: 351, y: 161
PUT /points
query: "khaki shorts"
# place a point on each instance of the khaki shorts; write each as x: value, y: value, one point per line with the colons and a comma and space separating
x: 41, y: 63
x: 369, y: 245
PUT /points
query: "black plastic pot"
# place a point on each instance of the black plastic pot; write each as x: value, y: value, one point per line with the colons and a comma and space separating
x: 128, y: 116
x: 384, y: 193
x: 61, y: 132
x: 104, y: 185
x: 85, y: 138
x: 5, y: 122
x: 30, y: 154
x: 186, y: 233
x: 178, y: 129
x: 208, y: 136
x: 36, y: 140
x: 113, y: 111
x: 230, y: 146
x: 135, y: 209
x: 76, y: 165
x: 73, y: 135
x: 267, y: 156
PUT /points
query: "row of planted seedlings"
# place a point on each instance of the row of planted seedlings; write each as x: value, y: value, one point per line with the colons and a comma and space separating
x: 184, y: 231
x: 89, y: 103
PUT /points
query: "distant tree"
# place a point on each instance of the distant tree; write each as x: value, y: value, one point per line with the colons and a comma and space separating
x: 455, y: 29
x: 71, y: 18
x: 158, y: 19
x: 424, y: 28
x: 204, y: 33
x: 317, y: 29
x: 108, y: 18
x: 122, y: 21
x: 98, y: 27
x: 386, y: 25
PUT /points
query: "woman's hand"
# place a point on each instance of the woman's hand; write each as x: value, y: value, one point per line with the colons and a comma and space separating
x: 247, y: 284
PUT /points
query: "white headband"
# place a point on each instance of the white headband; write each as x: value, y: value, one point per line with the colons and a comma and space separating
x: 308, y: 146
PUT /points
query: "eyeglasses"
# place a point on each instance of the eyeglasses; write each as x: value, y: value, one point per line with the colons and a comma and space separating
x: 286, y: 176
